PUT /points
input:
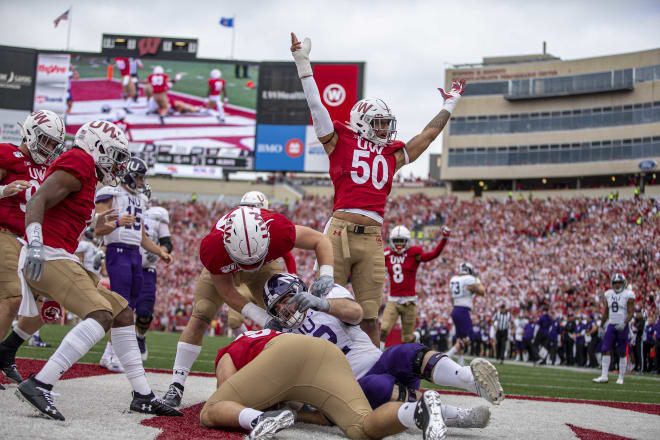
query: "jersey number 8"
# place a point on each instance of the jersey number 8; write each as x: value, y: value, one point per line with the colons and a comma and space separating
x: 397, y: 273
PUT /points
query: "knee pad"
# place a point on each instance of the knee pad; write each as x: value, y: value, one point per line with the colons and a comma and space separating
x: 142, y: 323
x: 205, y: 310
x: 428, y: 369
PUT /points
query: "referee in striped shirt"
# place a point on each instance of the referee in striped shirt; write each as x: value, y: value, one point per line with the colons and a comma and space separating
x: 501, y: 321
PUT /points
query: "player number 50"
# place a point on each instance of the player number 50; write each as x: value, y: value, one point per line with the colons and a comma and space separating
x: 379, y: 167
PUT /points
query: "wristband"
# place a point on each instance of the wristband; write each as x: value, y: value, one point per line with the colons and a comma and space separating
x: 33, y: 233
x: 326, y: 269
x: 450, y: 104
x: 2, y: 190
x: 116, y: 223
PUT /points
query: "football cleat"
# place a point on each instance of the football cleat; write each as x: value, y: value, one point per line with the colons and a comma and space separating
x: 11, y: 373
x: 40, y: 396
x: 487, y: 381
x: 619, y: 381
x: 600, y: 379
x: 142, y: 345
x: 2, y: 387
x: 470, y: 418
x: 36, y: 341
x: 8, y: 365
x: 174, y: 395
x: 112, y: 364
x: 150, y: 404
x: 428, y: 416
x: 271, y: 422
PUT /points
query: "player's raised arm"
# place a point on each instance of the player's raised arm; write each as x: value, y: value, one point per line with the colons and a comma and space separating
x: 428, y: 256
x: 323, y: 127
x: 417, y: 145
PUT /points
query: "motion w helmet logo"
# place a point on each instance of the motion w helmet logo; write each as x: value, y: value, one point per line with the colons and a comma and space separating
x: 334, y: 95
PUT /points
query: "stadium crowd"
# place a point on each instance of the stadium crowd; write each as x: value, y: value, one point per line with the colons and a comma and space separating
x: 529, y: 253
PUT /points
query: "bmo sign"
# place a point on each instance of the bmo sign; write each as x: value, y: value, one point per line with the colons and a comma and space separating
x: 280, y: 147
x: 334, y: 95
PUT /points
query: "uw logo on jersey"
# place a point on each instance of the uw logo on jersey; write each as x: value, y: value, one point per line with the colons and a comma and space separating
x: 37, y: 174
x: 396, y: 259
x: 364, y: 144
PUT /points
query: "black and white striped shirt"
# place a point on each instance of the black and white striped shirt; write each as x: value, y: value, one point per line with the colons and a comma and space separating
x: 502, y: 320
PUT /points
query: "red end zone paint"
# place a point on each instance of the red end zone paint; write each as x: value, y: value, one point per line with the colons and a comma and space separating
x: 188, y: 427
x: 592, y: 434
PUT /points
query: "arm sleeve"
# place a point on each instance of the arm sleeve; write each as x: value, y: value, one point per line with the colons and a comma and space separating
x: 290, y: 262
x: 320, y: 116
x: 428, y: 256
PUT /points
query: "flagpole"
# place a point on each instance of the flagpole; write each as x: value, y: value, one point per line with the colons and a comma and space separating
x: 68, y: 34
x: 233, y: 35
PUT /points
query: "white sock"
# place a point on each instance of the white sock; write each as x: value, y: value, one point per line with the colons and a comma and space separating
x: 186, y: 355
x: 623, y: 363
x: 452, y: 351
x: 246, y: 416
x: 128, y: 353
x: 449, y: 414
x: 382, y: 345
x: 23, y: 335
x: 606, y: 365
x: 406, y: 415
x: 75, y: 345
x: 108, y: 352
x: 447, y: 372
x: 461, y: 362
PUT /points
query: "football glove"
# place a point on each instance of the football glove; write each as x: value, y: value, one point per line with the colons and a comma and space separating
x: 322, y: 286
x: 151, y: 257
x: 304, y: 301
x: 301, y: 56
x: 446, y: 232
x: 273, y: 324
x: 454, y: 95
x: 98, y: 260
x: 34, y: 262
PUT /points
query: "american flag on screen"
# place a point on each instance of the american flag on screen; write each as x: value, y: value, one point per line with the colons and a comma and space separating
x: 64, y: 16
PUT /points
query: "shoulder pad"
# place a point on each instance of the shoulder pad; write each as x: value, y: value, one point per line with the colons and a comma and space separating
x: 108, y: 191
x: 159, y: 213
x: 415, y: 250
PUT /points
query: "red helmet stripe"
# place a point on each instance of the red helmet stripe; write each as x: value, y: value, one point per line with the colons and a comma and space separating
x: 247, y: 239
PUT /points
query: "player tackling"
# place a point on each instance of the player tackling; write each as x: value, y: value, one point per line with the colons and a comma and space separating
x: 364, y: 156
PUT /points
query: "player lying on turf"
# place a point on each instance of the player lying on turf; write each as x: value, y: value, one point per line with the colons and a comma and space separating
x: 384, y: 376
x: 263, y: 368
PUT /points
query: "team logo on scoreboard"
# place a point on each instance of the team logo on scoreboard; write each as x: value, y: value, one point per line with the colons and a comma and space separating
x: 334, y: 95
x: 294, y: 147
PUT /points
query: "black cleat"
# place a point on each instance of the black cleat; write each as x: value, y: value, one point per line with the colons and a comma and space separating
x: 40, y: 396
x: 428, y: 416
x: 2, y: 387
x: 11, y: 373
x: 8, y: 365
x: 270, y: 422
x: 151, y: 404
x: 173, y: 395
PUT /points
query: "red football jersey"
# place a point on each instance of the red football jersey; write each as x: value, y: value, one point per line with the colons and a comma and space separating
x: 159, y: 82
x: 65, y: 222
x: 216, y: 86
x: 361, y: 171
x: 247, y: 347
x: 216, y: 259
x: 18, y: 167
x: 123, y: 65
x: 402, y: 269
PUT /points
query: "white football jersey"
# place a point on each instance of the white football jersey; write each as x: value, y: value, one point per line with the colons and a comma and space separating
x: 124, y: 202
x: 361, y: 353
x: 459, y: 291
x: 157, y: 226
x: 618, y: 305
x: 89, y: 251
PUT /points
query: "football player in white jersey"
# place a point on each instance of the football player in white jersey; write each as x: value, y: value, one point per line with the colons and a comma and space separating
x: 90, y: 254
x: 619, y: 303
x: 384, y: 376
x: 124, y: 239
x: 157, y: 225
x: 463, y: 287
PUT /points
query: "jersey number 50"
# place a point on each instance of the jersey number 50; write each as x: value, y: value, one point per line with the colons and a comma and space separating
x: 379, y: 164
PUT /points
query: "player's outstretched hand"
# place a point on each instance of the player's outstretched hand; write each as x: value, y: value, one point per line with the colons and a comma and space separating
x: 304, y: 301
x: 14, y: 188
x: 451, y: 98
x: 127, y: 220
x: 322, y: 286
x: 446, y: 232
x: 300, y: 53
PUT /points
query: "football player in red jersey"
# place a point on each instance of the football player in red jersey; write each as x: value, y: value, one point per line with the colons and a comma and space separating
x: 402, y: 262
x: 263, y: 368
x: 22, y: 170
x: 364, y: 156
x: 158, y: 83
x: 241, y: 249
x: 55, y: 217
x: 128, y: 68
x: 217, y: 94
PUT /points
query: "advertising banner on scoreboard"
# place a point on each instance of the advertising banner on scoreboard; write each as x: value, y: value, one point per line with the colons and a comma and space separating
x: 338, y: 86
x: 52, y: 83
x: 10, y: 132
x: 17, y: 78
x: 280, y: 148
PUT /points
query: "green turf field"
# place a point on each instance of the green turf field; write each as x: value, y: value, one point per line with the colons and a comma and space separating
x: 516, y: 379
x: 194, y: 81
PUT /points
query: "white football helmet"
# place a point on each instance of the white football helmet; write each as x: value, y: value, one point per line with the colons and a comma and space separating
x: 107, y: 144
x: 246, y: 237
x: 372, y: 119
x: 158, y: 70
x: 465, y: 269
x: 40, y: 130
x: 216, y: 74
x: 254, y: 198
x: 400, y: 239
